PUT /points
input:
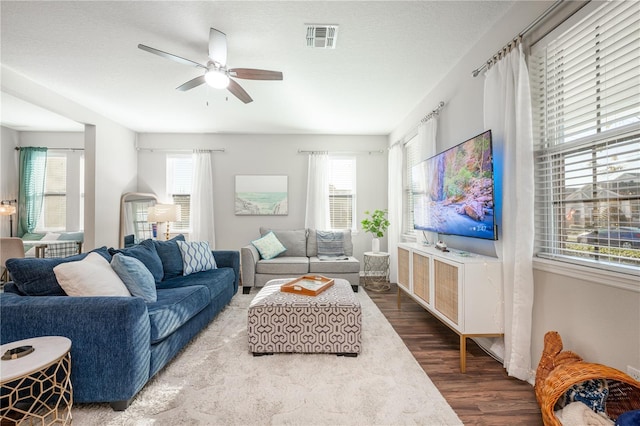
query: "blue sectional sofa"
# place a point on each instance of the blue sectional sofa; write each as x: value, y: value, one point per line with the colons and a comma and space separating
x: 118, y: 343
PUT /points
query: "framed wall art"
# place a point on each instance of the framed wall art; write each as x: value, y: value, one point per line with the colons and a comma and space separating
x: 261, y: 195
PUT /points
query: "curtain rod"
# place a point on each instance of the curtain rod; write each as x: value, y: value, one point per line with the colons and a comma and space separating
x: 180, y: 150
x: 17, y: 148
x: 378, y: 151
x: 507, y: 47
x: 414, y: 131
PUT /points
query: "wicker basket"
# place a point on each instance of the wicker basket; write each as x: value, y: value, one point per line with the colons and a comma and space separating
x: 559, y: 370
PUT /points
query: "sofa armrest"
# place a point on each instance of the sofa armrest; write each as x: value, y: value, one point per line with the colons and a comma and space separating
x: 110, y: 339
x: 249, y: 259
x: 229, y: 259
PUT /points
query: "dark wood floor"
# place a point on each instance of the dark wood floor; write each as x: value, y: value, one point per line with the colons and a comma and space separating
x: 484, y: 395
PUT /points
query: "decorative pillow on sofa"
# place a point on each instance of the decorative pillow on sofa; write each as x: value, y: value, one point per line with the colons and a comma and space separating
x: 294, y: 240
x: 196, y: 257
x: 34, y: 276
x: 91, y: 276
x: 330, y: 245
x: 146, y: 253
x: 135, y: 276
x: 269, y: 246
x: 170, y: 256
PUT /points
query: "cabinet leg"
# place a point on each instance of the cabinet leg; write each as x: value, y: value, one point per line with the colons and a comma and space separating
x: 463, y: 353
x: 399, y: 297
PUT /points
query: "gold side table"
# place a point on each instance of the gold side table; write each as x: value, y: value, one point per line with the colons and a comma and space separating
x: 376, y: 271
x: 36, y: 388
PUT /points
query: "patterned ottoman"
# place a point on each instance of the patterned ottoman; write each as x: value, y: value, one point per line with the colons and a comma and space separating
x: 330, y: 322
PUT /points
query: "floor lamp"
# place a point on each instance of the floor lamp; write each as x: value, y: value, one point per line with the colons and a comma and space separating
x: 164, y: 213
x: 7, y: 209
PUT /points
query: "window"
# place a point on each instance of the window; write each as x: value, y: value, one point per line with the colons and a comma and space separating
x: 585, y: 86
x: 342, y: 192
x: 411, y: 158
x: 63, y: 206
x: 179, y: 179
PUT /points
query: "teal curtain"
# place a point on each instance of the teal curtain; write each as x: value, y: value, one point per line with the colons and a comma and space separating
x: 33, y: 165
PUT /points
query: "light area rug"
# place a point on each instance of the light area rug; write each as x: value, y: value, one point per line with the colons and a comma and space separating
x: 215, y: 380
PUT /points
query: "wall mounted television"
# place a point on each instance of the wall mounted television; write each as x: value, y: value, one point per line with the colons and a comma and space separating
x: 453, y: 191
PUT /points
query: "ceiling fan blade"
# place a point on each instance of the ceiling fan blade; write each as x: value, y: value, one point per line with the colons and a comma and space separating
x: 218, y: 47
x: 191, y: 84
x: 253, y: 74
x: 171, y: 56
x: 239, y: 92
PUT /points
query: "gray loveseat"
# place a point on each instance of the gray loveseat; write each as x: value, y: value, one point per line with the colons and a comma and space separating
x: 300, y: 258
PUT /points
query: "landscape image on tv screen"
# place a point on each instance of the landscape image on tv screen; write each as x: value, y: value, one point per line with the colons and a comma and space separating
x: 453, y: 191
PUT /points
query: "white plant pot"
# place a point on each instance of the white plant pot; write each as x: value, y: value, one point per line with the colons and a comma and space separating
x: 375, y: 245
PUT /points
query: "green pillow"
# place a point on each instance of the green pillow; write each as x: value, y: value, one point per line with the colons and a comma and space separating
x: 269, y: 246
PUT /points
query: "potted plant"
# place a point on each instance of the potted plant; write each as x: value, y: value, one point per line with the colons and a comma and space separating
x: 376, y: 224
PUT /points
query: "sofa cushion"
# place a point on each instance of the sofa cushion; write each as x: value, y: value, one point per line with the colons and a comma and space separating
x: 196, y: 257
x: 90, y: 277
x: 174, y: 307
x: 295, y: 241
x: 283, y: 265
x: 135, y: 276
x: 35, y: 276
x: 170, y: 256
x: 216, y: 280
x: 269, y: 246
x: 312, y: 245
x: 146, y: 253
x: 327, y: 267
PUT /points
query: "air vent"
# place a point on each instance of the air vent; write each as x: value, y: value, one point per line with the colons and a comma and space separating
x: 322, y: 36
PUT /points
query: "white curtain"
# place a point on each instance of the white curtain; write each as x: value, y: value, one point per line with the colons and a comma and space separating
x: 507, y: 112
x: 427, y: 132
x: 317, y: 209
x: 395, y: 192
x: 202, y: 223
x: 425, y: 147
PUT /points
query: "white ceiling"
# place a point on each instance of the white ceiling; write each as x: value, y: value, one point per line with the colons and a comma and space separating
x: 389, y: 55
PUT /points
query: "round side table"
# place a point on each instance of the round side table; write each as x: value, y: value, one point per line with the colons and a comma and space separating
x: 37, y: 386
x: 376, y: 271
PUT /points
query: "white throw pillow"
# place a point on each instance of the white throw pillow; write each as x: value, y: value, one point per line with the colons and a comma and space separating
x: 91, y: 276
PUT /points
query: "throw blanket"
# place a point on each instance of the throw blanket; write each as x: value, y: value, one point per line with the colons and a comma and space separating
x: 578, y: 414
x: 330, y: 245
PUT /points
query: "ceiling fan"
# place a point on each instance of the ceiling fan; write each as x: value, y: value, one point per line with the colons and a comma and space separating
x: 216, y: 73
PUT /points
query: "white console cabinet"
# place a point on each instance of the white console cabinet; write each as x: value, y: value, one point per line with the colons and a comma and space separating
x: 463, y: 290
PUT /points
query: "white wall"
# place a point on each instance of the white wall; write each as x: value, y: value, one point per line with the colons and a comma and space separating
x: 268, y: 155
x: 599, y: 322
x: 110, y: 157
x: 8, y: 174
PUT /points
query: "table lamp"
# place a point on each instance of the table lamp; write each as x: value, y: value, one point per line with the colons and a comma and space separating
x: 7, y: 209
x: 164, y: 213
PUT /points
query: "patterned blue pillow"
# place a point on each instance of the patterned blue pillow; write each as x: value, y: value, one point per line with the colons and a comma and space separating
x: 269, y: 246
x: 135, y: 276
x: 591, y: 392
x: 196, y: 257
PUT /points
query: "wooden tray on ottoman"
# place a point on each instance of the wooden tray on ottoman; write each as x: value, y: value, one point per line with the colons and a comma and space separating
x: 309, y: 285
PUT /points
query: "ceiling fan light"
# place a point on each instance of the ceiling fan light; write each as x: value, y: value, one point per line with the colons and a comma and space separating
x: 216, y: 79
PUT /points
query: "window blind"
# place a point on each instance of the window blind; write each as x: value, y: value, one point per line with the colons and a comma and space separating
x: 585, y: 85
x: 54, y: 207
x: 179, y: 185
x: 342, y: 192
x: 411, y: 158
